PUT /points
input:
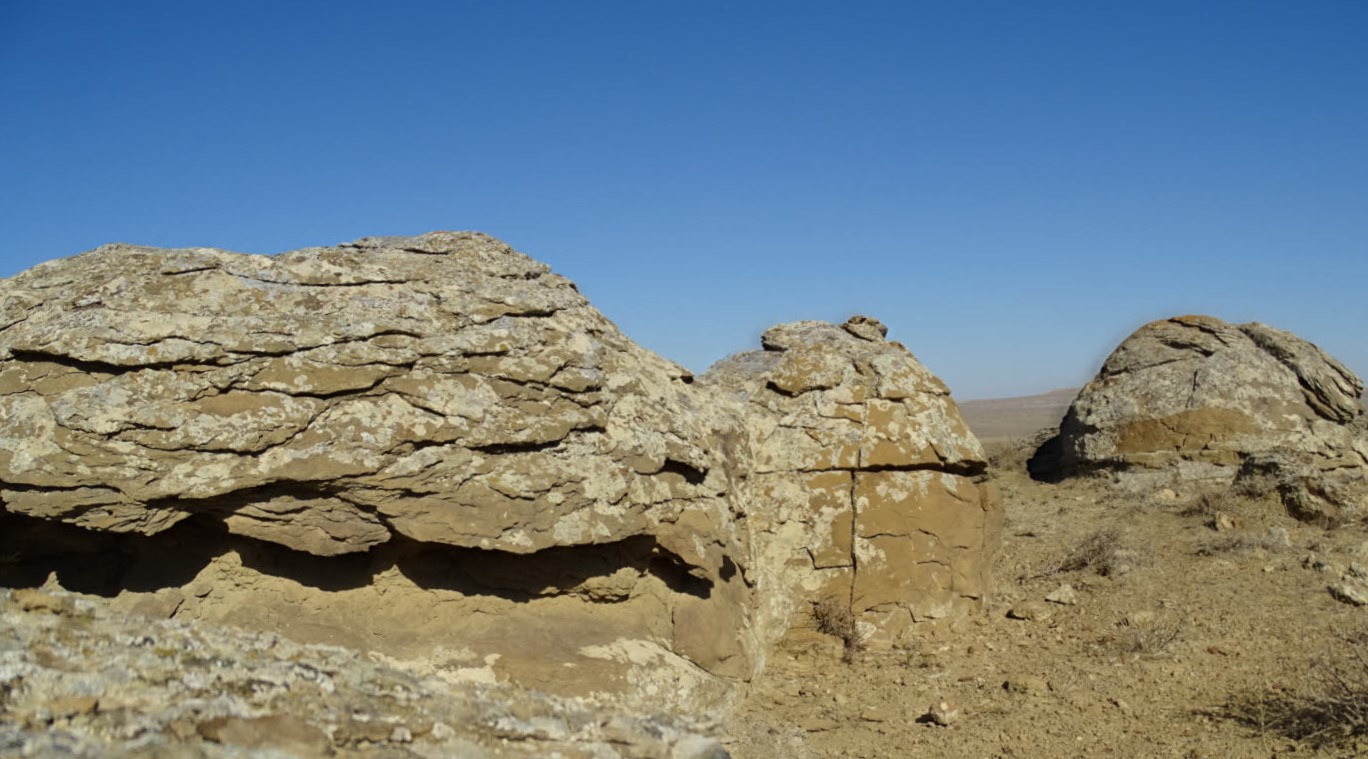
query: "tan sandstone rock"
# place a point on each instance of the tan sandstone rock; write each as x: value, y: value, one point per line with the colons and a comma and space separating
x: 866, y: 483
x: 436, y: 449
x: 386, y: 397
x: 1194, y: 398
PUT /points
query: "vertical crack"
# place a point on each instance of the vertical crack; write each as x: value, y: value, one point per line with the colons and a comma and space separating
x: 854, y: 536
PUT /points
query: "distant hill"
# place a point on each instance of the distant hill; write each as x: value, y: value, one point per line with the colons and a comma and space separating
x: 999, y: 419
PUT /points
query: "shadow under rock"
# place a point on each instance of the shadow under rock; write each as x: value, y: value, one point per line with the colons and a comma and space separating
x: 107, y: 564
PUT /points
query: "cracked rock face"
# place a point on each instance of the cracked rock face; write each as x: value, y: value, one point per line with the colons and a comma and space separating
x: 382, y: 398
x: 444, y: 388
x: 868, y: 477
x: 1194, y: 397
x: 436, y: 449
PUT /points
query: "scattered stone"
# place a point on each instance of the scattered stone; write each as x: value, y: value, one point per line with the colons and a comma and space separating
x: 1323, y: 565
x: 1031, y: 611
x: 884, y: 712
x: 1277, y: 537
x: 1350, y: 593
x: 441, y: 731
x: 1225, y: 522
x: 1064, y: 595
x: 1027, y: 685
x: 1139, y: 618
x: 866, y: 328
x: 942, y: 713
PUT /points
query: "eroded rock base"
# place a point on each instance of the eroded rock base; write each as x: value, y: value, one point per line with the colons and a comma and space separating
x: 596, y: 612
x: 79, y: 678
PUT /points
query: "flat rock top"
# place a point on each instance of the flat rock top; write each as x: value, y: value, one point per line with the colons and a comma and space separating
x: 443, y: 386
x: 111, y: 304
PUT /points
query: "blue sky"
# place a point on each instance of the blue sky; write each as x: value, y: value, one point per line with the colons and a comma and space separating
x: 1012, y: 187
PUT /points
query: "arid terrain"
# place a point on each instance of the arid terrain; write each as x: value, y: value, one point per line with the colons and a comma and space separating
x: 1199, y: 625
x: 418, y: 497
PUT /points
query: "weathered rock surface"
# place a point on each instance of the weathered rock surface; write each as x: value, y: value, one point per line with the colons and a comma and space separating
x: 435, y: 448
x: 384, y: 398
x: 1194, y: 397
x: 868, y: 478
x: 77, y: 679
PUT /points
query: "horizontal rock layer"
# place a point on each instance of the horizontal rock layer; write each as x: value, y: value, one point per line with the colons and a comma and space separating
x: 490, y: 465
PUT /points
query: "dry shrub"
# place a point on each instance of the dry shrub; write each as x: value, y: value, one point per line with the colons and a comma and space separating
x: 1238, y: 504
x: 1104, y: 552
x: 834, y: 617
x: 1148, y: 639
x: 1240, y: 542
x: 1328, y: 710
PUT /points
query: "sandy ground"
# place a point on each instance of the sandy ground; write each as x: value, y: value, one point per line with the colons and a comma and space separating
x: 1197, y: 624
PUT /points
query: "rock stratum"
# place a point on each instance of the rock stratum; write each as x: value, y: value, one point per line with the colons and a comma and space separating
x: 435, y: 449
x: 1193, y: 398
x: 80, y: 680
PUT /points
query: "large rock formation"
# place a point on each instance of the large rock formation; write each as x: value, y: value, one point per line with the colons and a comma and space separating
x: 1195, y: 398
x: 865, y: 478
x: 465, y: 462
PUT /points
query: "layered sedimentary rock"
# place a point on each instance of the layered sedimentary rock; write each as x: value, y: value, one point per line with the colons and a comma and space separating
x: 74, y: 686
x: 435, y: 447
x: 865, y: 478
x: 1195, y: 398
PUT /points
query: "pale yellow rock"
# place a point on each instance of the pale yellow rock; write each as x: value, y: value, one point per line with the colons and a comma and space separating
x: 1194, y: 398
x: 436, y: 449
x: 884, y: 508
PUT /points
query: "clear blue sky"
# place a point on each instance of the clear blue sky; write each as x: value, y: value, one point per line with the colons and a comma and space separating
x: 1011, y: 186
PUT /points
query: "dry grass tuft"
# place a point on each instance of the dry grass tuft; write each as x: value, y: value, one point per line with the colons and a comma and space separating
x: 1104, y: 552
x: 1328, y: 711
x: 1148, y: 639
x: 834, y: 617
x: 1238, y: 505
